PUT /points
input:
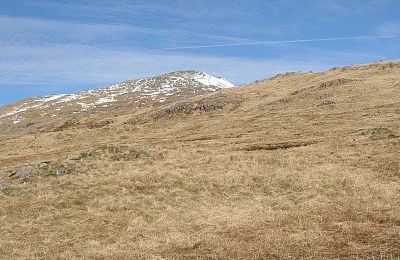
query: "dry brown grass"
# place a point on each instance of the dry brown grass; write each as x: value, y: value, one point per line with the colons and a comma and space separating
x: 317, y: 188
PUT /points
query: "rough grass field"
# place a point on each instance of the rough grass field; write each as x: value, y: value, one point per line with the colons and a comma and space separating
x: 299, y: 166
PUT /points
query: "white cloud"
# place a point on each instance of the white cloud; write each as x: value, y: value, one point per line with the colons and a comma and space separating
x: 32, y: 54
x: 76, y: 64
x: 38, y: 31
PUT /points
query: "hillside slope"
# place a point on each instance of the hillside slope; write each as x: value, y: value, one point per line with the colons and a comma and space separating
x: 125, y: 97
x: 300, y: 165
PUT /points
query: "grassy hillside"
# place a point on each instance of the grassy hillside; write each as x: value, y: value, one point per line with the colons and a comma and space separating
x: 301, y: 165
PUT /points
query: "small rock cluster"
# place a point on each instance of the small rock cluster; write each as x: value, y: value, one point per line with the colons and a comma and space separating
x: 67, y: 125
x: 335, y: 82
x: 205, y: 105
x: 378, y: 133
x: 113, y: 153
x: 42, y: 169
x: 98, y: 124
x: 329, y: 103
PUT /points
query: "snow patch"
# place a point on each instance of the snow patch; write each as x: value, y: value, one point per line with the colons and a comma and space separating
x: 70, y: 97
x: 208, y: 80
x: 105, y: 100
x: 18, y: 110
x: 50, y: 98
x: 16, y: 119
x: 86, y: 106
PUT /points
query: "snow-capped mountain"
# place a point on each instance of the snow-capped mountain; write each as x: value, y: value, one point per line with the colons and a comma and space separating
x: 132, y: 94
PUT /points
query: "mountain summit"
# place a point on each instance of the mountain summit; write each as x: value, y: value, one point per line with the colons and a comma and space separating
x: 132, y: 94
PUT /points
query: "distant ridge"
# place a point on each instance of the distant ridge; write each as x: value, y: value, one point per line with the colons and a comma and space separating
x: 135, y: 94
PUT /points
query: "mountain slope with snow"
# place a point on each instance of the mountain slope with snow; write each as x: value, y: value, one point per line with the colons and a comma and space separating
x: 132, y: 94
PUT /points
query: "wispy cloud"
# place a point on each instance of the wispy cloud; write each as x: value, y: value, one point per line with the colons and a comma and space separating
x: 83, y: 64
x: 23, y: 29
x: 28, y: 57
x: 286, y: 41
x: 39, y: 31
x: 46, y: 65
x: 190, y: 9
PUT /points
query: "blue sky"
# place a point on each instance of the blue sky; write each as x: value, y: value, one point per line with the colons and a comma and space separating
x: 60, y: 46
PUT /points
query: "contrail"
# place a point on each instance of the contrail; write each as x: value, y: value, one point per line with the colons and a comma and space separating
x: 277, y: 42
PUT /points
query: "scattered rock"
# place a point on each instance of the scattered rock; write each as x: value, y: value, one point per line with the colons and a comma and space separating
x: 207, y: 104
x: 185, y: 108
x: 29, y: 124
x: 286, y: 74
x: 43, y: 165
x: 76, y: 158
x: 335, y: 82
x: 67, y: 125
x: 60, y: 170
x: 44, y: 169
x: 378, y: 133
x: 4, y: 183
x: 98, y: 124
x: 23, y: 172
x: 327, y: 103
x: 277, y: 146
x: 390, y: 65
x: 114, y: 153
